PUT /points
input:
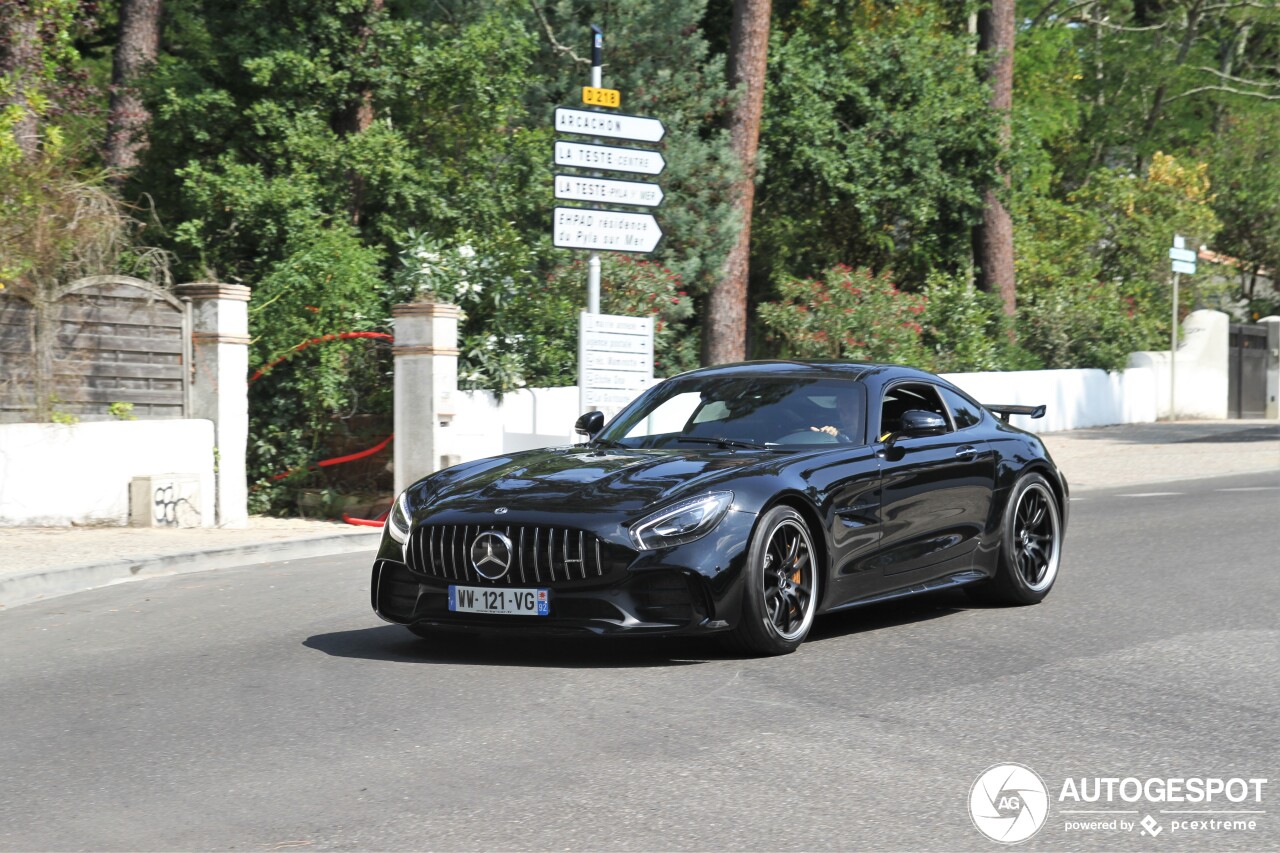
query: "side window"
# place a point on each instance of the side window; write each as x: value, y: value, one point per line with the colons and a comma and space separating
x: 904, y: 398
x: 965, y: 412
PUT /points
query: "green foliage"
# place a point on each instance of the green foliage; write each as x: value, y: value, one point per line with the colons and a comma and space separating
x: 1087, y: 325
x: 1246, y: 171
x: 965, y: 329
x: 1093, y: 270
x: 122, y: 411
x: 850, y: 314
x: 877, y: 143
x: 326, y: 283
x: 547, y: 343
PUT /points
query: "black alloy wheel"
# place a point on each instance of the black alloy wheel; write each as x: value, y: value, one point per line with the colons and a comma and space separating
x: 1031, y: 545
x: 780, y: 596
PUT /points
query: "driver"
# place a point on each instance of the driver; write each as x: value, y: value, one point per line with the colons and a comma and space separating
x: 846, y: 419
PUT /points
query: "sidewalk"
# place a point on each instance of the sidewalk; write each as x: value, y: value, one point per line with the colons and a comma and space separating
x: 43, y: 562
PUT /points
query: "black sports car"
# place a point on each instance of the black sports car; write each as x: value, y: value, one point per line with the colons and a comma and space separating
x: 744, y: 499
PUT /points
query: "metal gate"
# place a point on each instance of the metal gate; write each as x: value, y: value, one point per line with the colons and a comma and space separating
x: 1247, y: 372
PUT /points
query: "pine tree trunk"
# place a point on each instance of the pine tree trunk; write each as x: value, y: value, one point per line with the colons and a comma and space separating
x: 20, y: 62
x: 725, y: 318
x: 993, y: 238
x: 127, y: 119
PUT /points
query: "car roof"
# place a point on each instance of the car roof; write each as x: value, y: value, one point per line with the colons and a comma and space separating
x: 795, y: 368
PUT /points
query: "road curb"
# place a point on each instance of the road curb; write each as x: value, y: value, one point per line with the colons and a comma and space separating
x: 48, y: 583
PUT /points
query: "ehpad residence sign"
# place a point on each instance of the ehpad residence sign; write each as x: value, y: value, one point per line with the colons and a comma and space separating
x: 604, y: 230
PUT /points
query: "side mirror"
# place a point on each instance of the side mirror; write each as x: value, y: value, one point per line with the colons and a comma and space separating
x: 917, y: 422
x: 590, y: 424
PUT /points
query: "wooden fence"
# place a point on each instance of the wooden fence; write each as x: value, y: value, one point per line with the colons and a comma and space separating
x: 98, y: 341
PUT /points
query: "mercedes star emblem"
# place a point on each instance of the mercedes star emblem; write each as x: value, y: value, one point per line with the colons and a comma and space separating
x: 491, y: 554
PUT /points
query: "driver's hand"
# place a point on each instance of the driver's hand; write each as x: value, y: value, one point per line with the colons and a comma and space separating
x: 829, y: 430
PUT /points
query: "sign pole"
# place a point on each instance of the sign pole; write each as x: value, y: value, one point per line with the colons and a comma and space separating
x: 593, y: 260
x: 1173, y: 350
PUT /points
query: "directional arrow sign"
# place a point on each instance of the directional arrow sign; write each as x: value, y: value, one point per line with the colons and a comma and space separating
x: 608, y: 157
x: 613, y: 125
x: 604, y: 230
x: 1184, y: 267
x: 608, y: 192
x: 1187, y: 255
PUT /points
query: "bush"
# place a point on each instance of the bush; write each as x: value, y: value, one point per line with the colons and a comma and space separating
x: 850, y: 314
x: 965, y: 329
x: 327, y: 283
x: 630, y: 286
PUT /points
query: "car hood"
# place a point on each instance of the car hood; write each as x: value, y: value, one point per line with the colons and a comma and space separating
x: 578, y: 480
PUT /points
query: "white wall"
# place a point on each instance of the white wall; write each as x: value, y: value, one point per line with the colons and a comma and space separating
x: 1200, y: 373
x: 1075, y: 399
x: 525, y: 419
x: 64, y: 474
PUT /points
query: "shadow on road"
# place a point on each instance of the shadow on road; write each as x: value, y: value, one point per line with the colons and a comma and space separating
x: 890, y: 614
x: 394, y: 643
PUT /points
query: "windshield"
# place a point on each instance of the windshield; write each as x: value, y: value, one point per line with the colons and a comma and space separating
x: 740, y: 411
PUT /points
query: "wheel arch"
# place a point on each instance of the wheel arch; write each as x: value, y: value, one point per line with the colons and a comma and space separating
x: 817, y: 532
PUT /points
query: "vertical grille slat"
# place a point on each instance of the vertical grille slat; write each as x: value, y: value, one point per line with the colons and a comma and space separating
x: 551, y: 553
x: 570, y: 555
x: 537, y: 531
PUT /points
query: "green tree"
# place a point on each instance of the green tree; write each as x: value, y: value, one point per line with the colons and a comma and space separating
x: 877, y: 143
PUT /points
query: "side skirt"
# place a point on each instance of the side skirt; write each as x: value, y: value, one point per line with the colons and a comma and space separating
x: 958, y: 579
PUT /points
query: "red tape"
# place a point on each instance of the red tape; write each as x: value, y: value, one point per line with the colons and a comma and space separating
x: 341, y: 336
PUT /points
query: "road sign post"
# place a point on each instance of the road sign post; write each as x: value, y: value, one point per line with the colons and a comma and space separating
x: 609, y: 378
x: 1183, y: 261
x: 593, y: 260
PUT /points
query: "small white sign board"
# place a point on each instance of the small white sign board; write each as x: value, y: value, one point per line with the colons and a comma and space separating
x: 610, y: 157
x: 607, y: 191
x: 615, y: 360
x: 1184, y: 267
x: 604, y: 230
x: 609, y: 124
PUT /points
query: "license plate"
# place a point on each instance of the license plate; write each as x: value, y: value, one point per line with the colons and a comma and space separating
x: 504, y: 602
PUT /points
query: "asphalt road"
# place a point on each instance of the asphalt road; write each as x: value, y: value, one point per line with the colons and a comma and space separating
x: 267, y: 709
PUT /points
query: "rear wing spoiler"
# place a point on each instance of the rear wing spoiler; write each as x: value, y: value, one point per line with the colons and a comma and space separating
x: 1003, y: 412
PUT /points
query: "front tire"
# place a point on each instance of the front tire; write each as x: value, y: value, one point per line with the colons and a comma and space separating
x: 780, y: 596
x: 1030, y: 545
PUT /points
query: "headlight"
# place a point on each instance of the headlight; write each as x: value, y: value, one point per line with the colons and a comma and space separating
x: 682, y: 522
x: 398, y: 518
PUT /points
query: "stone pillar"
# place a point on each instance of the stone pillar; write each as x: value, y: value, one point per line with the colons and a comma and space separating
x: 426, y: 380
x: 1272, y: 325
x: 220, y: 387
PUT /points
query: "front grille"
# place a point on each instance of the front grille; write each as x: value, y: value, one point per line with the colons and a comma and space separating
x: 541, y: 554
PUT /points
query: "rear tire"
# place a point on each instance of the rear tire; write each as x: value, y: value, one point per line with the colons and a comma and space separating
x: 780, y: 587
x: 1030, y: 546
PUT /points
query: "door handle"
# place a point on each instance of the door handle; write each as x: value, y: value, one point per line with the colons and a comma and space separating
x: 966, y: 452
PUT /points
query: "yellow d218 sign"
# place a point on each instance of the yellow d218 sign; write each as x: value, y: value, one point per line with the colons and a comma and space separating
x: 601, y: 97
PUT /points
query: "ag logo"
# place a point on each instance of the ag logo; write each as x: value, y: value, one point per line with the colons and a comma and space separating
x: 1008, y: 803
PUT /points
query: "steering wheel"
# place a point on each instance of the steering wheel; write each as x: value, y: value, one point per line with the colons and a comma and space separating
x: 811, y: 436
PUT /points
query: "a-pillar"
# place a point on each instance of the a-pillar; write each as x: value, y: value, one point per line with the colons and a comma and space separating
x: 426, y: 380
x: 220, y: 388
